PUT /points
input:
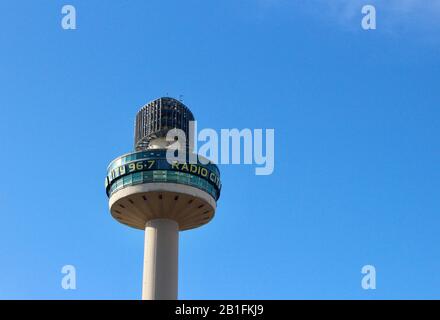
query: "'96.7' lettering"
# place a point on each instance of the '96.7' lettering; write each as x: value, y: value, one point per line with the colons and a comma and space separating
x: 131, y: 167
x: 136, y: 166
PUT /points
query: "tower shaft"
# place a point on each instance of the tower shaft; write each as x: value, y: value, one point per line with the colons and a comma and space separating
x: 160, y: 260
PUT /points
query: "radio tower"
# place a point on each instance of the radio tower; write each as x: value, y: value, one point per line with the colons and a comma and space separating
x: 148, y: 192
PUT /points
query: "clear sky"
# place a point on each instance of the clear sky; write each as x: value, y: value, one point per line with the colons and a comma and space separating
x: 357, y: 125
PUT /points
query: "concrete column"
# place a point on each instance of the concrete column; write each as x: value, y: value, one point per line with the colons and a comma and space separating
x: 160, y: 260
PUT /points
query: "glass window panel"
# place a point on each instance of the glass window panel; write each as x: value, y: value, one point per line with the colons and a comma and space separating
x: 127, y: 179
x: 137, y: 177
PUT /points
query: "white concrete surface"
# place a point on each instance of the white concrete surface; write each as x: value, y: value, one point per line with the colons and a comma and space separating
x: 160, y: 260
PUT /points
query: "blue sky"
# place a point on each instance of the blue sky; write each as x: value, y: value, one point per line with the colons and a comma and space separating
x: 356, y: 119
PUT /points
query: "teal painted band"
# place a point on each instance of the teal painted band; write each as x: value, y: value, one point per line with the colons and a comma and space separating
x: 163, y: 176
